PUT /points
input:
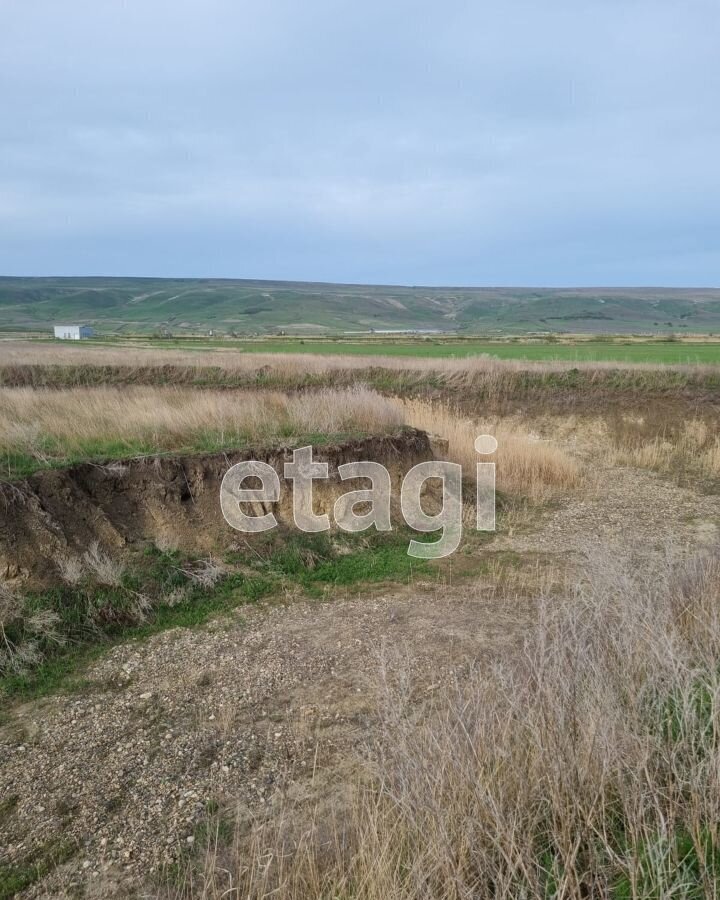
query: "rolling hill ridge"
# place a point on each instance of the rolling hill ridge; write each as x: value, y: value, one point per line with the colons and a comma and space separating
x: 245, y: 307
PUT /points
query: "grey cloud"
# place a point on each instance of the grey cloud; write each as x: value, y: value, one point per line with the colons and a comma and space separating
x: 514, y: 142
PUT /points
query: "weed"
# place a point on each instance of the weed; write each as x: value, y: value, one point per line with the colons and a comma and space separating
x: 17, y: 877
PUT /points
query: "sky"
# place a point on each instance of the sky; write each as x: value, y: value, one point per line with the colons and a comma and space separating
x: 547, y: 142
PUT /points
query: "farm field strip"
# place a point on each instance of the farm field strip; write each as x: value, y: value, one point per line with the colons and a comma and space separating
x: 665, y: 352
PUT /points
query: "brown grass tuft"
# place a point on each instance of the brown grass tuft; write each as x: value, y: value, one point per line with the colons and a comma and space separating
x: 694, y: 448
x: 525, y: 464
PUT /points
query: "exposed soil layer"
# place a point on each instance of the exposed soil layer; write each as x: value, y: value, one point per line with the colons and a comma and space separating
x: 56, y: 514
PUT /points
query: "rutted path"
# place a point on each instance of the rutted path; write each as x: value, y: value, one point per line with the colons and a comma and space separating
x: 127, y: 769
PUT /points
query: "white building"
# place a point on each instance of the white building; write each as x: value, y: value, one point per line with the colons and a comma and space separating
x: 73, y: 332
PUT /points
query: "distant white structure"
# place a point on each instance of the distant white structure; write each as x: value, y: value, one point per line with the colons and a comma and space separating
x: 73, y: 332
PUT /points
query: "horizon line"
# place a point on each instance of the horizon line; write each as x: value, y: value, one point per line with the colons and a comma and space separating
x: 381, y: 284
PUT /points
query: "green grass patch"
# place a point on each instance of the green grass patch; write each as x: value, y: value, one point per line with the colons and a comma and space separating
x: 17, y: 877
x: 667, y: 350
x: 319, y: 562
x: 678, y: 865
x: 87, y: 618
x: 162, y: 591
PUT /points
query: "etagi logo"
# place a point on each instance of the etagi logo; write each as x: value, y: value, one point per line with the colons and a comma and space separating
x: 374, y: 500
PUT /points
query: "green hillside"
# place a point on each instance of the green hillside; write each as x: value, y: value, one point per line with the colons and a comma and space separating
x: 186, y: 306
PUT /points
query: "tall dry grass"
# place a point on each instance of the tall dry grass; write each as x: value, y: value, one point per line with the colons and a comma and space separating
x: 693, y: 448
x: 525, y: 464
x: 47, y: 426
x: 481, y: 381
x: 50, y: 424
x: 587, y: 767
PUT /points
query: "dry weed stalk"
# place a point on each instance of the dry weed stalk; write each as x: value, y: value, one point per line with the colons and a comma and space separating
x: 23, y: 633
x: 102, y: 567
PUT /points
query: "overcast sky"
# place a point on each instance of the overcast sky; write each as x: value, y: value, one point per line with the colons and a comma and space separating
x: 547, y: 142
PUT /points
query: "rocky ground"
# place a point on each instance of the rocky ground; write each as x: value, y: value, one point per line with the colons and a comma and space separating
x: 274, y: 699
x: 167, y: 729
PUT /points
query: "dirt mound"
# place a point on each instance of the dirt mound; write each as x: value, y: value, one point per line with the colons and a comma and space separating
x: 55, y: 515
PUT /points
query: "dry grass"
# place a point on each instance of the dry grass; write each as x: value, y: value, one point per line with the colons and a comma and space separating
x: 590, y: 767
x: 56, y: 424
x: 102, y: 567
x: 47, y: 426
x: 28, y: 353
x: 525, y: 464
x: 23, y: 636
x: 482, y: 382
x: 693, y: 448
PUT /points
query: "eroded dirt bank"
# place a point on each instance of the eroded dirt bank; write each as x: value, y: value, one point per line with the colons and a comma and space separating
x: 55, y: 515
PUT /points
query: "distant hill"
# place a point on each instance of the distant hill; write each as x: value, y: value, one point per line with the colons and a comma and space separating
x: 187, y: 306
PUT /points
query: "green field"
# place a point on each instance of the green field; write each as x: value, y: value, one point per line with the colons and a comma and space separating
x: 637, y: 351
x: 594, y: 351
